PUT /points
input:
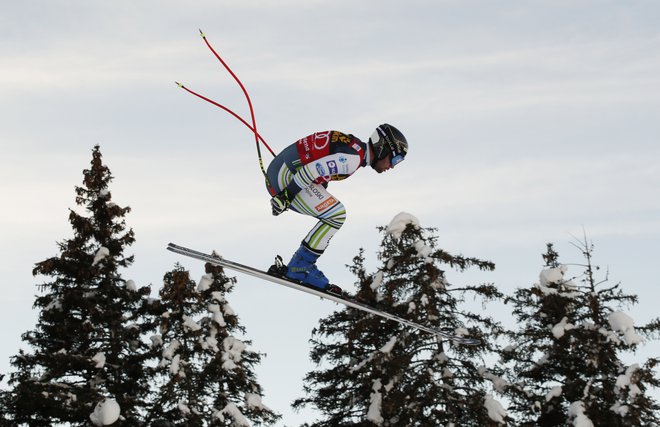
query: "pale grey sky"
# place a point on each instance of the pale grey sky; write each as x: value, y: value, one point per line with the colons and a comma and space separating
x: 527, y: 122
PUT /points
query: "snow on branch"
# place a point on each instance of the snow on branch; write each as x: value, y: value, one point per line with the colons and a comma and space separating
x: 496, y: 411
x: 105, y: 413
x: 625, y: 325
x: 375, y: 405
x: 399, y: 223
x: 100, y: 255
x: 232, y: 410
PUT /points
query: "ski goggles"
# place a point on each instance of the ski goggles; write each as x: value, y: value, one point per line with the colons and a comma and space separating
x: 396, y: 159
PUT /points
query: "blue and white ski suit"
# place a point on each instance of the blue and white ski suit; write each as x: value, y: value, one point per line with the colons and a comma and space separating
x: 305, y: 167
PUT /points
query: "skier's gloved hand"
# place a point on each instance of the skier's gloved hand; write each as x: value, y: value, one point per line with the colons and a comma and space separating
x: 280, y: 202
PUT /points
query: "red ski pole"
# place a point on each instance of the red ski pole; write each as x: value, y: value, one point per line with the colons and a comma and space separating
x: 247, y: 96
x: 252, y: 127
x: 227, y: 110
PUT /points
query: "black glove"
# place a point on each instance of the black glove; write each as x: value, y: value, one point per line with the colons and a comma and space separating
x: 280, y: 202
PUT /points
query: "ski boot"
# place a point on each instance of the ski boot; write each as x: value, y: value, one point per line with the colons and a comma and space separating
x: 302, y: 268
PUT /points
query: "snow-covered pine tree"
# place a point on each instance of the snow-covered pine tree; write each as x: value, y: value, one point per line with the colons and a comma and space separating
x: 206, y: 375
x: 565, y: 360
x: 376, y: 372
x: 86, y: 346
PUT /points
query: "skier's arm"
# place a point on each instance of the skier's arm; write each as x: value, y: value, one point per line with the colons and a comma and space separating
x: 329, y: 168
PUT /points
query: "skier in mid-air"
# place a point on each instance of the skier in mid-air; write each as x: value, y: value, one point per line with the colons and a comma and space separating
x: 297, y: 178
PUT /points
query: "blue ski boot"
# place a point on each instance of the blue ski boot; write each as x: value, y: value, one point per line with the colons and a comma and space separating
x: 302, y: 269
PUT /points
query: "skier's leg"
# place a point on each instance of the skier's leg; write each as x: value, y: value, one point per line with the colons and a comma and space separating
x: 331, y: 214
x: 314, y: 201
x: 317, y: 202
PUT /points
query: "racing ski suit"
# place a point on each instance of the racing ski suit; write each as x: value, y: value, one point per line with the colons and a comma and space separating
x: 305, y: 168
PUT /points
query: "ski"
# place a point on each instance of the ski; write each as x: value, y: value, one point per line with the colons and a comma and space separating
x: 215, y: 260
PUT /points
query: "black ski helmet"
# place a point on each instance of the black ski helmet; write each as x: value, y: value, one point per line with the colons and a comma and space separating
x: 387, y: 140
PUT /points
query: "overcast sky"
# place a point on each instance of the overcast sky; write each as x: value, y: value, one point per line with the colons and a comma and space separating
x: 528, y: 122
